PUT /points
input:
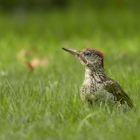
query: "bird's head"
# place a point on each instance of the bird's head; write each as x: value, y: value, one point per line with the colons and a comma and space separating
x: 89, y: 57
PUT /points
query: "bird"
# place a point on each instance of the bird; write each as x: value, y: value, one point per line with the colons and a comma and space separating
x: 97, y: 86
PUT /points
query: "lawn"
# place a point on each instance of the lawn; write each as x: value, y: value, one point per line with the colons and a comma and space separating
x: 45, y: 103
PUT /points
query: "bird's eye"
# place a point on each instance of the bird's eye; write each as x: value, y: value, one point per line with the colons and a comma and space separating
x: 87, y: 54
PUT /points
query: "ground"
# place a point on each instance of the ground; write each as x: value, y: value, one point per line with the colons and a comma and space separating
x: 45, y: 103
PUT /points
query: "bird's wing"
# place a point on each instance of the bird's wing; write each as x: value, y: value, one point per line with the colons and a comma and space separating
x: 114, y: 88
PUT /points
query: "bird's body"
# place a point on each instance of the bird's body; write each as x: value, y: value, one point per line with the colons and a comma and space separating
x: 97, y: 86
x: 93, y: 87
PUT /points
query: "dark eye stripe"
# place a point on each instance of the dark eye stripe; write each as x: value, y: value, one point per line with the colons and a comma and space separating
x: 87, y: 53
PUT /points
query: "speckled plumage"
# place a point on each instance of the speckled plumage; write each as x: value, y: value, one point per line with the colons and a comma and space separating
x: 97, y: 86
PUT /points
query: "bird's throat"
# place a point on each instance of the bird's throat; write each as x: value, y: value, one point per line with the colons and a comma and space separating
x: 97, y: 76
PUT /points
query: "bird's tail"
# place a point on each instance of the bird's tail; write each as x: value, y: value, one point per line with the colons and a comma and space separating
x: 128, y: 100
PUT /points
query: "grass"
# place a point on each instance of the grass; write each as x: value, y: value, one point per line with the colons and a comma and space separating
x: 45, y: 104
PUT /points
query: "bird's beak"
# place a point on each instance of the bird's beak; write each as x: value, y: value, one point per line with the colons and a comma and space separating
x: 72, y: 51
x: 76, y: 53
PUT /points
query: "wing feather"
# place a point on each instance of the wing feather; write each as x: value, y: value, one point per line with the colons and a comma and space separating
x: 114, y: 88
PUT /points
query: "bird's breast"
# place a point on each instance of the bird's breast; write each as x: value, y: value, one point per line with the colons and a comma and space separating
x: 91, y: 86
x: 95, y: 93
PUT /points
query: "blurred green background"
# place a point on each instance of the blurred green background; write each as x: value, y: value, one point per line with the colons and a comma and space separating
x: 44, y: 103
x: 52, y: 4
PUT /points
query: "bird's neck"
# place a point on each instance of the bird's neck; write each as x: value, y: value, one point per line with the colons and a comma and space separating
x: 97, y: 75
